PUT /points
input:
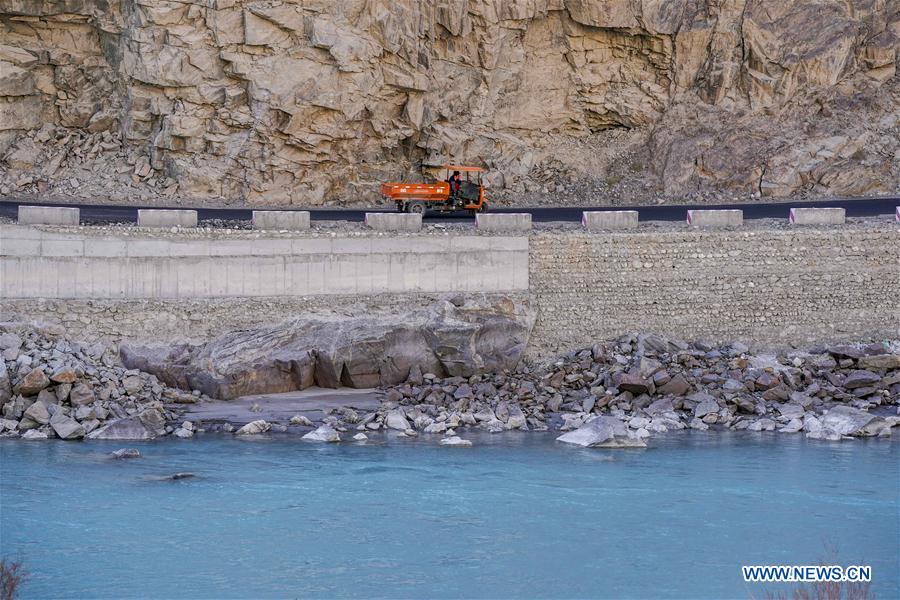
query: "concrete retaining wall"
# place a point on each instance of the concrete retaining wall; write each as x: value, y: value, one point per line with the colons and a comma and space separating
x: 755, y: 284
x: 167, y: 218
x: 48, y: 215
x: 609, y: 219
x: 290, y: 220
x: 46, y: 264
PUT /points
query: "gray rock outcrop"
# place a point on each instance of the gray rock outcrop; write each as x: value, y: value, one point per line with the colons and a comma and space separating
x: 146, y: 425
x: 452, y: 339
x: 310, y: 102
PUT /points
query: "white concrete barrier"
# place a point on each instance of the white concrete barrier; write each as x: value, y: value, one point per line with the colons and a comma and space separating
x: 40, y: 263
x: 394, y: 221
x: 817, y: 216
x: 167, y: 218
x: 293, y: 220
x: 609, y: 219
x: 715, y: 218
x: 503, y: 221
x: 48, y: 215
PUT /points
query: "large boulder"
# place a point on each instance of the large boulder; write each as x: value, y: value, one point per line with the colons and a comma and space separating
x: 254, y: 428
x: 603, y: 432
x: 846, y: 420
x: 38, y: 413
x: 33, y: 382
x: 146, y: 425
x: 66, y: 427
x: 447, y: 338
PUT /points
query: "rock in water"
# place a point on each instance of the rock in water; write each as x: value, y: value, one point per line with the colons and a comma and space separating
x: 325, y: 433
x: 603, y: 432
x: 455, y: 441
x: 253, y: 428
x: 477, y: 336
x: 126, y: 453
x: 34, y: 434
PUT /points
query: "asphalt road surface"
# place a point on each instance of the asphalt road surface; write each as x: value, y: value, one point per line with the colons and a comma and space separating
x: 856, y: 207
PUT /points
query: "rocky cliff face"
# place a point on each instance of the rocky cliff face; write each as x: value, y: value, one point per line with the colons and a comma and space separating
x: 316, y: 101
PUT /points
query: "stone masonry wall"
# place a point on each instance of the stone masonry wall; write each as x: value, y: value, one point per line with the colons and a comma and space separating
x: 776, y: 286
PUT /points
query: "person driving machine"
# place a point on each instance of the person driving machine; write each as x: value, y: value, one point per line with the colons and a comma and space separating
x: 455, y: 182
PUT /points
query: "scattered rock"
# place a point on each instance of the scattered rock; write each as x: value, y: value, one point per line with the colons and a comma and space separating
x: 301, y: 420
x: 455, y: 441
x: 603, y: 432
x: 325, y: 433
x: 126, y: 453
x: 254, y: 428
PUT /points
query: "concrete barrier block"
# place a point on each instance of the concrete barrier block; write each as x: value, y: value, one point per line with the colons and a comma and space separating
x: 503, y: 222
x: 715, y: 218
x: 817, y: 216
x: 293, y: 220
x: 394, y: 221
x: 48, y: 215
x: 167, y: 218
x: 609, y: 219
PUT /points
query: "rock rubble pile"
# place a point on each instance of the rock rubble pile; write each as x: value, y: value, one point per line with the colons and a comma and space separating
x: 54, y: 388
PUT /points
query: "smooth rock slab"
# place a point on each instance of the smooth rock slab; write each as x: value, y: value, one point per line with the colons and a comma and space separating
x: 603, y: 432
x: 147, y: 425
x: 448, y: 338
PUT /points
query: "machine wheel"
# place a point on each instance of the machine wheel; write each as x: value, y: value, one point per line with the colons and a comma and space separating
x: 484, y: 207
x: 416, y: 208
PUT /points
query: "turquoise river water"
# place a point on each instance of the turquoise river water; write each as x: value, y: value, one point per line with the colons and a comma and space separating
x: 514, y: 516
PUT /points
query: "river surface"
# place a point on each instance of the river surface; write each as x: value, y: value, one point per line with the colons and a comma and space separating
x: 515, y: 516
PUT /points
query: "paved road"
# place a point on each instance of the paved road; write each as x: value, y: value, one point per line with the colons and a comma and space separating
x: 856, y: 207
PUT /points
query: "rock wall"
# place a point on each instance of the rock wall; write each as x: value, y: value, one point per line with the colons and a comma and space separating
x: 762, y: 283
x: 313, y: 101
x: 769, y: 285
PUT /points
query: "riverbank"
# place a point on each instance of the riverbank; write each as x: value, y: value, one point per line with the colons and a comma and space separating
x: 615, y: 393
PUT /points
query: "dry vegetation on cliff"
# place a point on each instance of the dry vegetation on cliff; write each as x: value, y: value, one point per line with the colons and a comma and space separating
x: 311, y: 102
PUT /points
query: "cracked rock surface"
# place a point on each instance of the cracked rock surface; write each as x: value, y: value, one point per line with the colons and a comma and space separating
x: 307, y: 102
